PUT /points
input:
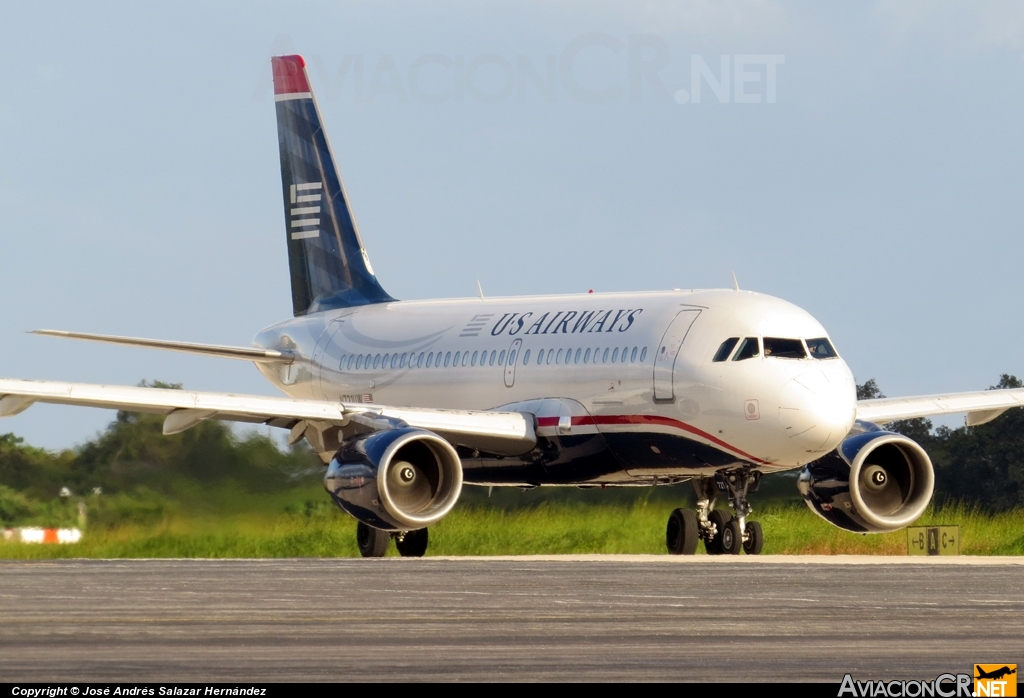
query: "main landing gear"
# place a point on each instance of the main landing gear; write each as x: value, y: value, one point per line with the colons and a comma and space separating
x: 722, y: 533
x: 374, y: 542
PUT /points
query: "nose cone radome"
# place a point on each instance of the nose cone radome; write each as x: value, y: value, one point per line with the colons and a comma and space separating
x: 817, y: 409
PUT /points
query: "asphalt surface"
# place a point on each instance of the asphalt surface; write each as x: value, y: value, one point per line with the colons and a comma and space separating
x: 658, y: 618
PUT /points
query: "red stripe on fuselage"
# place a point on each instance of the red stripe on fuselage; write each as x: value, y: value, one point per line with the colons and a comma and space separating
x: 648, y: 419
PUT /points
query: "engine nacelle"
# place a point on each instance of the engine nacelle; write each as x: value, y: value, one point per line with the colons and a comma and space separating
x: 875, y: 482
x: 397, y: 479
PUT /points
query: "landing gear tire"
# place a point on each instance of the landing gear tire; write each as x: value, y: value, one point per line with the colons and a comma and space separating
x: 720, y: 518
x: 372, y: 542
x: 681, y: 532
x: 731, y: 538
x: 754, y: 540
x: 413, y: 543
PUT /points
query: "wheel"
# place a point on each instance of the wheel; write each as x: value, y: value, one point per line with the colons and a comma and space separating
x: 681, y: 532
x: 755, y: 539
x: 732, y: 538
x: 414, y: 544
x: 719, y: 517
x: 372, y: 542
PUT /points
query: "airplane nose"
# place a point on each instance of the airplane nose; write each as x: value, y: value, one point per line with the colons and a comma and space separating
x: 817, y: 409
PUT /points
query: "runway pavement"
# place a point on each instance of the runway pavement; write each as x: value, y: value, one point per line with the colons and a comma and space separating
x: 555, y: 618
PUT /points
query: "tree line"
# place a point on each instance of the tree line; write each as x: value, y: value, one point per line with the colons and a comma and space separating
x: 132, y: 471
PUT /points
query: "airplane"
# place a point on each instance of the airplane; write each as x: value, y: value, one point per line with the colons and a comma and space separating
x: 405, y: 401
x: 995, y: 674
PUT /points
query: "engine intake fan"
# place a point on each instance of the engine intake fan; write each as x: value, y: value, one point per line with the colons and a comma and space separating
x: 397, y: 479
x: 875, y: 482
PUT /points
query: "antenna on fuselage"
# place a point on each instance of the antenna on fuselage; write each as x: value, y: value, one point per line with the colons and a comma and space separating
x: 479, y: 289
x: 735, y: 283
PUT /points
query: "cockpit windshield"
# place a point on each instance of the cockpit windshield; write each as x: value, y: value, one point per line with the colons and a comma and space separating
x: 723, y: 351
x: 821, y: 348
x: 748, y: 349
x: 780, y: 348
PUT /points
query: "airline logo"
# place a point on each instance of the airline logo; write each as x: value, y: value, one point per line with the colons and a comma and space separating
x: 304, y: 213
x: 473, y: 327
x: 566, y: 322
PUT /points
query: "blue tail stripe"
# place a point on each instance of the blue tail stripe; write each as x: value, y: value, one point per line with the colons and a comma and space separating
x: 329, y: 268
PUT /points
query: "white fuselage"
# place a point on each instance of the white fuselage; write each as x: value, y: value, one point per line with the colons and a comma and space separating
x: 635, y: 368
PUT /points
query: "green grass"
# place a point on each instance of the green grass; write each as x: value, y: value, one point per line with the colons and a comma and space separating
x: 294, y: 528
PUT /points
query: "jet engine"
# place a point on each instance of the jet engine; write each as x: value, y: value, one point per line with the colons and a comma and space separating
x: 396, y: 479
x: 875, y: 482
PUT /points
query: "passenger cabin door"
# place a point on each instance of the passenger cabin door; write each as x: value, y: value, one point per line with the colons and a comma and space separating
x: 668, y: 351
x: 321, y: 354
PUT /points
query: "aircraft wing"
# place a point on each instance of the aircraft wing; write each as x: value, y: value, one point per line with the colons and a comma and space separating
x: 504, y: 433
x: 981, y: 406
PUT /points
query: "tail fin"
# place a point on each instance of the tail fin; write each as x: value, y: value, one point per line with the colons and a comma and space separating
x: 329, y: 265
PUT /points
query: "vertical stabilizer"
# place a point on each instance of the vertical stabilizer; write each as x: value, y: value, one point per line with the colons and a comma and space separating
x: 329, y: 265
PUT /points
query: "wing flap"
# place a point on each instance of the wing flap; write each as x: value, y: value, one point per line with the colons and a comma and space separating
x: 984, y: 405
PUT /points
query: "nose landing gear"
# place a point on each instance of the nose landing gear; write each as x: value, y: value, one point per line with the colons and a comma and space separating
x: 722, y: 533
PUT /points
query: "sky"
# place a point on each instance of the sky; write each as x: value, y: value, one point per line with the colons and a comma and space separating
x: 862, y: 160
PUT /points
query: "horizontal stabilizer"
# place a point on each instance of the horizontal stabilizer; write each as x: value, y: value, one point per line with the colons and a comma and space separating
x: 225, y: 352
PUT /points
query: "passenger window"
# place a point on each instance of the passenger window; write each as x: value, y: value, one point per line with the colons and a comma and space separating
x: 472, y: 362
x: 643, y: 354
x: 501, y: 358
x: 512, y: 358
x: 604, y: 357
x: 430, y: 359
x: 821, y: 348
x: 632, y: 356
x: 341, y: 364
x: 384, y: 361
x: 540, y: 357
x: 748, y: 349
x: 615, y: 355
x: 494, y: 353
x: 419, y: 360
x: 447, y: 359
x: 586, y: 356
x: 394, y: 360
x: 359, y: 362
x: 625, y: 350
x: 465, y: 358
x: 526, y: 357
x: 576, y: 359
x: 727, y: 346
x: 457, y: 357
x: 779, y: 348
x: 551, y: 355
x: 558, y: 357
